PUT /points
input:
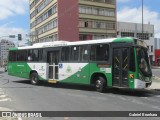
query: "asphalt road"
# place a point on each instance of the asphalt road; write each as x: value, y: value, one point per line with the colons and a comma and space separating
x: 20, y: 95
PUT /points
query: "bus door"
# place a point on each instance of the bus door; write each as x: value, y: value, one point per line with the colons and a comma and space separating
x: 53, y: 60
x: 120, y: 67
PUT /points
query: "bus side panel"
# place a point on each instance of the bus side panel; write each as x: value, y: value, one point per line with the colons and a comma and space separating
x: 74, y: 73
x: 40, y: 68
x: 17, y: 69
x: 11, y: 70
x: 105, y: 70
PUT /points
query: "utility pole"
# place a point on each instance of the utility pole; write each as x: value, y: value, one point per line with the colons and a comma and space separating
x: 142, y: 19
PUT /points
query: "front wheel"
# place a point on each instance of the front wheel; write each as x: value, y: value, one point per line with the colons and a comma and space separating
x: 100, y: 84
x: 34, y: 78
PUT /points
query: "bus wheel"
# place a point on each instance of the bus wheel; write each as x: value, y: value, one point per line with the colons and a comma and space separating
x: 34, y: 78
x: 100, y: 84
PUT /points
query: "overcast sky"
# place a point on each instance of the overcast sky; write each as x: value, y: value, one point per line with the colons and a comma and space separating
x: 131, y: 11
x: 14, y: 15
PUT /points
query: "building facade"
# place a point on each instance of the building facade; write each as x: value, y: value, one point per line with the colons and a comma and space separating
x: 4, y: 46
x: 72, y: 20
x: 157, y: 43
x: 126, y: 29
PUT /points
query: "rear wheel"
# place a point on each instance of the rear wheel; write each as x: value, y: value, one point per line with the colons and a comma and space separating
x: 100, y: 84
x: 34, y: 78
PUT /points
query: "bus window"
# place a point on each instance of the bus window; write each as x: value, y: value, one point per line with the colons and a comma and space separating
x: 83, y: 53
x: 12, y: 56
x: 41, y: 55
x: 21, y: 55
x: 65, y: 54
x: 143, y: 62
x: 132, y: 60
x: 33, y: 55
x: 99, y: 52
x: 75, y: 53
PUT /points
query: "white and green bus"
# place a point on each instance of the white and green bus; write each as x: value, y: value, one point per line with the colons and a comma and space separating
x: 116, y: 62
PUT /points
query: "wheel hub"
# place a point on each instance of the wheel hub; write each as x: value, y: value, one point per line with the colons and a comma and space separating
x: 98, y: 83
x: 34, y: 79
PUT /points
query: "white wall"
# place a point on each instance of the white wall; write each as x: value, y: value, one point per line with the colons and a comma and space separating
x: 137, y: 28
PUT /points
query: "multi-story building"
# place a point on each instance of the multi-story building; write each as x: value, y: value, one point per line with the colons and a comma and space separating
x: 72, y: 20
x: 4, y: 46
x: 157, y: 43
x: 126, y: 29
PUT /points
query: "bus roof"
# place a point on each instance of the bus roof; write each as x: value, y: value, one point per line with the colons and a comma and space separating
x: 66, y: 43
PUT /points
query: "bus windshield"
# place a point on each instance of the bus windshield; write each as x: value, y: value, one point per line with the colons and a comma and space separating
x: 143, y: 61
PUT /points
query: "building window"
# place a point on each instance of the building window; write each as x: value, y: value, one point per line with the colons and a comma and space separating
x: 97, y: 24
x: 97, y: 11
x: 127, y: 34
x: 151, y: 48
x: 86, y: 24
x: 44, y: 16
x: 148, y: 48
x: 103, y: 1
x: 83, y: 37
x: 49, y: 12
x: 47, y: 27
x: 143, y: 36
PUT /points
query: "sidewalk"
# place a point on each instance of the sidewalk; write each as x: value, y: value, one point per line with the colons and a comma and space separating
x: 155, y: 67
x: 155, y: 83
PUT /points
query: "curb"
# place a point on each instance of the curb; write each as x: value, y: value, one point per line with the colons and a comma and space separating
x: 155, y: 67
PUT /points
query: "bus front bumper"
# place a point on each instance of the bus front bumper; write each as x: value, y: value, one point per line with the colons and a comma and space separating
x: 139, y: 84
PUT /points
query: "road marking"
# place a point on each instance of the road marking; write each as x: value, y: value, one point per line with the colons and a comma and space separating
x: 2, y: 96
x: 66, y: 118
x: 5, y: 99
x: 122, y: 98
x: 156, y: 78
x: 154, y: 100
x: 100, y: 98
x: 1, y: 92
x: 145, y: 104
x: 19, y: 118
x: 75, y: 95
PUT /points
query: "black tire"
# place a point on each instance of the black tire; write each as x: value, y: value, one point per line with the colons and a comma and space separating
x: 34, y: 78
x: 100, y: 84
